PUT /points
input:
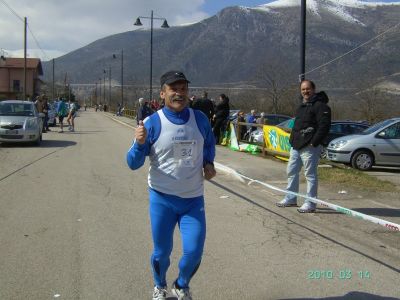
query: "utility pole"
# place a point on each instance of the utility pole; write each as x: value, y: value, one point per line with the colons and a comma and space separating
x: 25, y: 25
x: 122, y: 78
x: 109, y: 86
x: 104, y: 86
x: 303, y: 40
x: 95, y: 94
x: 52, y: 85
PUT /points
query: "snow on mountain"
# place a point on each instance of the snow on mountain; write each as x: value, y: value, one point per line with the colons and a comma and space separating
x: 336, y: 7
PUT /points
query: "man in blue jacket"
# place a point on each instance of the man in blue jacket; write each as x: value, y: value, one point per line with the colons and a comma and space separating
x: 311, y: 126
x: 181, y: 147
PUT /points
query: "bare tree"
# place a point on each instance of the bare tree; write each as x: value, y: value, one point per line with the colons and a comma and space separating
x: 371, y: 105
x: 277, y: 78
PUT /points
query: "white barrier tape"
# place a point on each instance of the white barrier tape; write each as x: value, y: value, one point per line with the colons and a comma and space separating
x: 349, y: 212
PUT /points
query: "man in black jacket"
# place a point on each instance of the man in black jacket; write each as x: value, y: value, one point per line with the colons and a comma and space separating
x: 312, y: 123
x: 221, y: 116
x: 205, y: 105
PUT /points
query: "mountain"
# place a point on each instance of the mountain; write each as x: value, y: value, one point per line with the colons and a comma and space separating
x: 239, y: 44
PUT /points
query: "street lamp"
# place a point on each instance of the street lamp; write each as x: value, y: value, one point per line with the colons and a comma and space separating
x: 164, y: 25
x: 122, y: 76
x: 104, y: 86
x: 109, y: 86
x: 100, y: 89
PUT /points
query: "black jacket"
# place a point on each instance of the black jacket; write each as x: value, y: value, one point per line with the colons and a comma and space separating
x: 222, y: 109
x: 312, y: 123
x: 205, y: 105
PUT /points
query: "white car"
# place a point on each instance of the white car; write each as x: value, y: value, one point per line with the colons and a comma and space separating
x: 20, y: 122
x: 376, y: 145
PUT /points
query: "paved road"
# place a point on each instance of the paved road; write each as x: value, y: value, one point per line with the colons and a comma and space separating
x: 74, y: 225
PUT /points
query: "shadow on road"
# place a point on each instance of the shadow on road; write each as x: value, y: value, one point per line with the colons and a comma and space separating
x: 393, y: 268
x: 348, y: 296
x: 383, y: 212
x: 385, y: 169
x: 56, y: 143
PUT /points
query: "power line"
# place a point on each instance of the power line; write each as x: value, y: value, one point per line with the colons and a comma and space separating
x: 352, y: 50
x: 37, y: 43
x: 30, y: 30
x: 12, y: 11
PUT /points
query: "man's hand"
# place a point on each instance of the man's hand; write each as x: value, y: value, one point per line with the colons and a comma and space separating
x: 140, y: 133
x: 209, y: 171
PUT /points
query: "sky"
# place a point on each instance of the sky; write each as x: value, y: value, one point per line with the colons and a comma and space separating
x: 61, y: 26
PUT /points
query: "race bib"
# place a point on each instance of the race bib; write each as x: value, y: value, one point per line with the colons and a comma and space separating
x: 184, y: 153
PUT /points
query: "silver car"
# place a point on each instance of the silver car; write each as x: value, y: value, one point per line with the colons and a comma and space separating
x: 20, y: 122
x: 377, y: 145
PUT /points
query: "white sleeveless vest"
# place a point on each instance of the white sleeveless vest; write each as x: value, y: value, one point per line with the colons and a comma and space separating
x: 176, y: 159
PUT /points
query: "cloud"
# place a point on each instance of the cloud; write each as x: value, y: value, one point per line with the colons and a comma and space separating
x: 63, y: 26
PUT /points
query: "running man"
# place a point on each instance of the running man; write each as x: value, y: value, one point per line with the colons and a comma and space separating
x: 181, y: 147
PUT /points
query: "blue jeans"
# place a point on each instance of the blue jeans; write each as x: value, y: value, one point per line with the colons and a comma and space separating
x: 309, y: 158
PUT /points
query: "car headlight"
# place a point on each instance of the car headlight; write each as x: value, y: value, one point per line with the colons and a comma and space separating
x: 337, y: 144
x: 31, y: 123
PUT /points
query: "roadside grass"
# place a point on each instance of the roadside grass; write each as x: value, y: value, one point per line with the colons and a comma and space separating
x: 352, y: 178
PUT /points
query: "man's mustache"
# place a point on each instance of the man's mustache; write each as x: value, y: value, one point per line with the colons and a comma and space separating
x: 178, y: 98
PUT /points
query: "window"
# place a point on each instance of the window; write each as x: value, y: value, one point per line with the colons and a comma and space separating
x: 392, y: 132
x: 16, y: 85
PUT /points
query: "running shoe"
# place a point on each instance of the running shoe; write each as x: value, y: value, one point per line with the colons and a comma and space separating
x: 181, y: 293
x: 160, y: 293
x: 307, y: 207
x: 286, y: 203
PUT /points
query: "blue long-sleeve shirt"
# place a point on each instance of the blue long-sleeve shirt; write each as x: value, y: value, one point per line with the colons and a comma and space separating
x: 137, y: 153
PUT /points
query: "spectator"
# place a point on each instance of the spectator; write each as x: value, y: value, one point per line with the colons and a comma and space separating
x: 154, y: 105
x: 144, y: 110
x: 221, y: 116
x: 261, y: 119
x: 252, y: 118
x: 45, y: 110
x: 191, y: 101
x: 205, y: 105
x: 242, y: 131
x: 311, y: 126
x: 61, y: 113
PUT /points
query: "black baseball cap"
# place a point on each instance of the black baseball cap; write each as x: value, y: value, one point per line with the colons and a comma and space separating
x: 173, y: 76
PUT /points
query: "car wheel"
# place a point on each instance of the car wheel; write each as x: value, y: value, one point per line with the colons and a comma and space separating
x: 362, y: 160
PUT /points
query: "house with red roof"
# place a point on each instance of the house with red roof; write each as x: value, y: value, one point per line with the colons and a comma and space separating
x: 12, y: 77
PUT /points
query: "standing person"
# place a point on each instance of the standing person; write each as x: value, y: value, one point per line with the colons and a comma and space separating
x: 181, y: 148
x: 45, y: 109
x: 312, y: 123
x: 241, y: 118
x: 261, y: 120
x: 71, y: 116
x: 205, y: 105
x: 144, y: 111
x: 191, y: 101
x: 61, y: 113
x: 221, y: 116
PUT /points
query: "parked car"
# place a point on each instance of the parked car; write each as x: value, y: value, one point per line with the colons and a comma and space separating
x: 342, y: 128
x: 338, y: 129
x: 376, y: 145
x: 20, y: 122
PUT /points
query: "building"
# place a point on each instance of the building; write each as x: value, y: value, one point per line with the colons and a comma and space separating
x: 12, y: 77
